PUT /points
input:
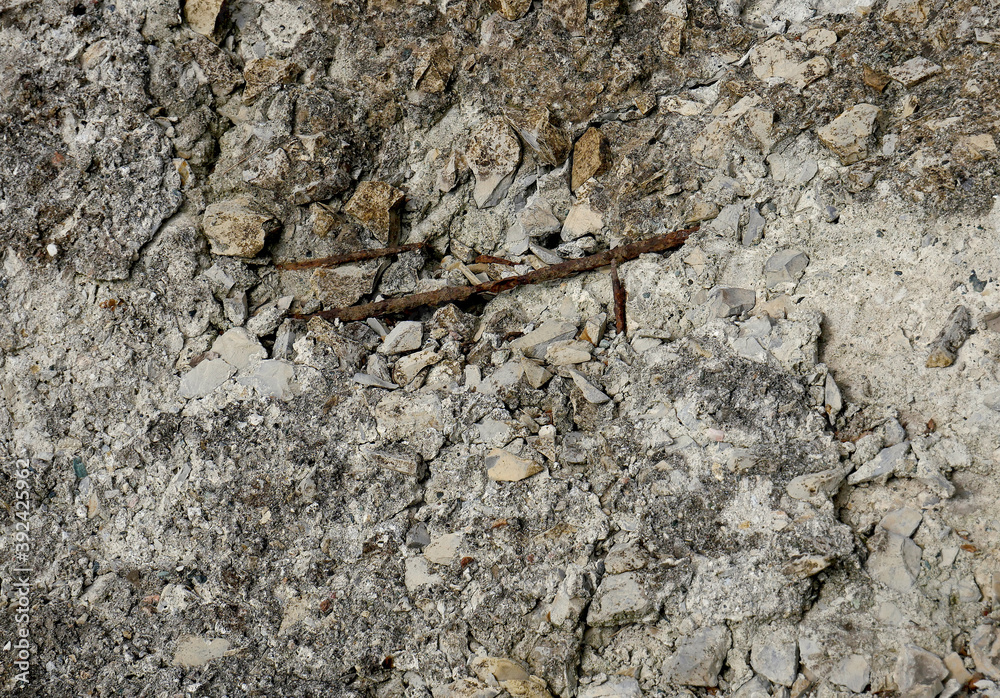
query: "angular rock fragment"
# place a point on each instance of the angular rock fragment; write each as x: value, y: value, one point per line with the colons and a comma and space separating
x: 400, y: 459
x: 537, y: 130
x: 907, y: 11
x: 785, y: 266
x: 409, y: 366
x: 202, y: 14
x: 853, y: 673
x: 731, y: 302
x: 671, y: 35
x: 535, y: 375
x: 568, y: 352
x: 888, y: 462
x: 698, y: 658
x: 494, y: 152
x: 590, y: 393
x: 264, y: 73
x: 511, y: 9
x: 619, y: 599
x: 787, y: 61
x: 914, y: 71
x: 503, y: 466
x: 433, y: 70
x: 239, y: 348
x: 919, y: 673
x: 902, y: 522
x: 194, y: 651
x: 405, y: 337
x: 849, y: 136
x: 590, y: 157
x: 944, y: 349
x: 237, y: 227
x: 894, y: 560
x: 204, y: 378
x: 776, y: 658
x: 593, y: 330
x: 753, y: 232
x: 824, y: 484
x: 984, y: 646
x: 376, y: 205
x: 536, y: 343
x: 614, y: 687
x: 271, y: 378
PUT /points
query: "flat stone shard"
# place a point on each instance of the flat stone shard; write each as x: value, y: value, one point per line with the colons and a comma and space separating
x: 944, y: 349
x: 849, y: 136
x: 197, y: 651
x: 698, y: 658
x: 822, y: 484
x: 984, y: 646
x: 239, y: 348
x: 889, y: 461
x: 201, y: 15
x: 787, y: 62
x: 919, y: 673
x: 494, y: 152
x: 590, y: 157
x: 590, y: 393
x: 405, y: 337
x: 237, y: 228
x: 894, y: 560
x: 914, y: 71
x: 902, y: 522
x: 204, y: 378
x: 376, y: 205
x: 503, y: 466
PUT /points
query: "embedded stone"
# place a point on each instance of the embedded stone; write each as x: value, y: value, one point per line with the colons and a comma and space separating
x: 376, y: 205
x: 590, y: 157
x: 237, y: 228
x: 849, y: 136
x: 494, y: 153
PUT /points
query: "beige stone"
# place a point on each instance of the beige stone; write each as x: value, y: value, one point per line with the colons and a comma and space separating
x: 849, y: 136
x: 590, y: 157
x: 201, y: 15
x: 376, y: 205
x: 503, y: 466
x: 975, y: 147
x: 511, y: 9
x: 906, y: 11
x: 537, y: 130
x: 197, y: 651
x: 788, y: 61
x: 914, y: 71
x: 237, y: 227
x: 671, y: 35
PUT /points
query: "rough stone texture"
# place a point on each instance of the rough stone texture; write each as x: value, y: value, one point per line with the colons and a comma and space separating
x: 375, y: 205
x: 590, y: 157
x: 849, y: 135
x: 226, y: 499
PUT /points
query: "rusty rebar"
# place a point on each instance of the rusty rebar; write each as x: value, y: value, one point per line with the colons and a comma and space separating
x: 349, y: 257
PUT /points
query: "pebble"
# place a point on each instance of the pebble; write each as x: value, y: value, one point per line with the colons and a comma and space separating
x: 237, y: 227
x: 919, y: 673
x: 376, y: 205
x: 731, y: 302
x: 205, y: 377
x: 914, y: 71
x: 888, y: 461
x: 944, y: 348
x: 698, y: 658
x: 405, y: 337
x: 902, y: 522
x: 785, y: 266
x: 494, y: 152
x: 443, y: 549
x: 503, y: 466
x: 590, y: 393
x: 853, y: 673
x: 591, y: 157
x: 775, y: 658
x: 849, y: 136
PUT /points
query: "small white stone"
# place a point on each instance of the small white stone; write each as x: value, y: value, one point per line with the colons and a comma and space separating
x: 52, y: 249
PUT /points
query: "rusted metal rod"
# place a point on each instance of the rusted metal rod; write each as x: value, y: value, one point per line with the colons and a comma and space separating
x: 618, y: 293
x: 349, y: 257
x: 451, y: 294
